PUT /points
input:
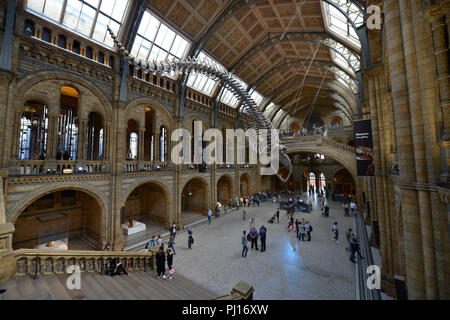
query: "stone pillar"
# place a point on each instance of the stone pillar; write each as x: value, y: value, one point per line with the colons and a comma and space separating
x: 157, y: 143
x: 82, y: 130
x: 16, y: 134
x: 106, y: 141
x: 7, y: 44
x: 439, y: 29
x: 52, y: 134
x: 410, y: 209
x: 7, y: 264
x: 141, y: 144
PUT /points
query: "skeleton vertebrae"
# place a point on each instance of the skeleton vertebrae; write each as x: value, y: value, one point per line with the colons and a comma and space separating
x: 257, y: 119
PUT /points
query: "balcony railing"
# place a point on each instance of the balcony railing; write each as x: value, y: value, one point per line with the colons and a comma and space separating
x: 147, y: 166
x: 46, y: 167
x: 52, y: 262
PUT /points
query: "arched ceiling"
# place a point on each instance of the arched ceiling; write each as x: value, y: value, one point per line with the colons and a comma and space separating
x: 237, y: 33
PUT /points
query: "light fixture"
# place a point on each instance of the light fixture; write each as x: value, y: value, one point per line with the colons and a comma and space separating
x: 67, y: 171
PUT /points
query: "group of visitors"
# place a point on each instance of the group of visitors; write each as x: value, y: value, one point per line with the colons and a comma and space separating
x: 253, y: 237
x: 302, y: 228
x: 161, y: 259
x: 116, y: 268
x: 63, y: 156
x: 352, y: 206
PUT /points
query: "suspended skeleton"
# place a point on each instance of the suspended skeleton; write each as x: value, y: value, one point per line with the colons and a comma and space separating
x: 257, y: 120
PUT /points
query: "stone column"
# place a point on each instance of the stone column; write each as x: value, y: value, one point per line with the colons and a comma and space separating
x: 439, y: 29
x: 16, y: 134
x: 157, y: 156
x: 7, y: 44
x: 52, y: 134
x: 141, y: 144
x: 82, y: 130
x: 106, y: 141
x: 411, y: 217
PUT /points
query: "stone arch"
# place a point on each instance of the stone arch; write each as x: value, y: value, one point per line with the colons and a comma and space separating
x: 60, y: 79
x: 158, y: 217
x: 245, y: 186
x: 225, y: 189
x: 201, y: 207
x: 136, y: 109
x: 188, y: 118
x: 14, y: 213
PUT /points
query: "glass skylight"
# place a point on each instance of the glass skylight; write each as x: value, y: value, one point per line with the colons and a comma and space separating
x: 338, y: 23
x: 87, y: 17
x: 228, y: 97
x: 201, y: 82
x: 155, y: 41
x: 256, y: 96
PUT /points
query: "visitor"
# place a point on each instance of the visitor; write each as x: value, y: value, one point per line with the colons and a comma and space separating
x: 297, y: 223
x: 172, y: 243
x: 278, y: 216
x: 151, y: 243
x: 58, y: 155
x: 335, y: 231
x: 161, y: 263
x: 42, y: 156
x: 159, y: 241
x: 107, y: 247
x: 254, y: 238
x: 262, y: 236
x: 66, y: 155
x: 355, y: 248
x: 346, y: 210
x: 244, y: 241
x: 309, y: 229
x: 173, y: 231
x: 291, y: 224
x: 348, y: 235
x: 244, y: 214
x: 209, y: 216
x: 353, y: 207
x: 170, y: 254
x: 302, y: 231
x: 118, y: 268
x: 190, y: 238
x: 237, y: 202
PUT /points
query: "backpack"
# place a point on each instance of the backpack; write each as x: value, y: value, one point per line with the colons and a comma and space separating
x: 310, y: 228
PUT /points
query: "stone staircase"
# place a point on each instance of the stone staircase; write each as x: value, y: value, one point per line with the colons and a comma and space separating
x: 138, y: 285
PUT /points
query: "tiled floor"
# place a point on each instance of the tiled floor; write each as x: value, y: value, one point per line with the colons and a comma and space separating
x: 289, y: 269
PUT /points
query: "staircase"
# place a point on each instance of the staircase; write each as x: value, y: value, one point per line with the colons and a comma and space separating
x: 138, y: 285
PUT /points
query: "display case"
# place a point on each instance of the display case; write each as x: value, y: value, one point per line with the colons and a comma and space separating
x: 53, y: 232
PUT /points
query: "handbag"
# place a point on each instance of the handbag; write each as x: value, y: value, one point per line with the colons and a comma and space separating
x: 172, y: 271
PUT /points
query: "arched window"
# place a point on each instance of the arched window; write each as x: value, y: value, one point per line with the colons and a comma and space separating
x: 163, y: 144
x: 33, y: 132
x: 62, y: 42
x: 89, y: 53
x: 133, y: 145
x: 101, y: 58
x: 67, y: 143
x: 46, y: 35
x: 94, y: 138
x: 76, y: 47
x: 29, y: 29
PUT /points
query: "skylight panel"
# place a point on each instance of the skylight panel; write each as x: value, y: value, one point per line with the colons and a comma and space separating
x: 339, y: 24
x: 157, y: 41
x: 258, y: 98
x: 201, y: 82
x: 89, y: 18
x: 228, y: 97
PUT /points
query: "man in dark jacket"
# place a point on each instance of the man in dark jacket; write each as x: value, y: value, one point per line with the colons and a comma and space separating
x: 263, y: 235
x: 254, y: 238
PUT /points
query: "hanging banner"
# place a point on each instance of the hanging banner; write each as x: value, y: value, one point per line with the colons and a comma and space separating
x: 364, y: 148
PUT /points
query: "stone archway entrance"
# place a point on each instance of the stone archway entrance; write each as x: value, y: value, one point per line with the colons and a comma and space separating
x: 245, y: 185
x: 344, y: 186
x: 147, y: 204
x: 66, y: 219
x: 194, y: 200
x: 224, y: 189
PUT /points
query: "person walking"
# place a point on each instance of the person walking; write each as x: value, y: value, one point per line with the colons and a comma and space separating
x: 335, y: 232
x: 209, y: 216
x: 190, y: 238
x: 262, y: 236
x: 346, y: 210
x: 244, y: 241
x: 173, y: 230
x: 244, y: 214
x: 159, y: 241
x: 278, y: 216
x: 355, y: 248
x: 297, y: 223
x: 237, y: 202
x: 348, y: 235
x: 309, y: 229
x: 172, y: 243
x: 353, y: 207
x: 170, y: 254
x: 302, y: 231
x: 161, y: 263
x: 254, y: 238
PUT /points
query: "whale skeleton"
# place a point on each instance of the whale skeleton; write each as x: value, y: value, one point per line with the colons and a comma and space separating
x: 257, y: 119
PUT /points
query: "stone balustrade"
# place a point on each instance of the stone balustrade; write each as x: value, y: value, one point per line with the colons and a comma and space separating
x: 319, y: 139
x: 44, y: 167
x: 52, y: 262
x: 151, y: 166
